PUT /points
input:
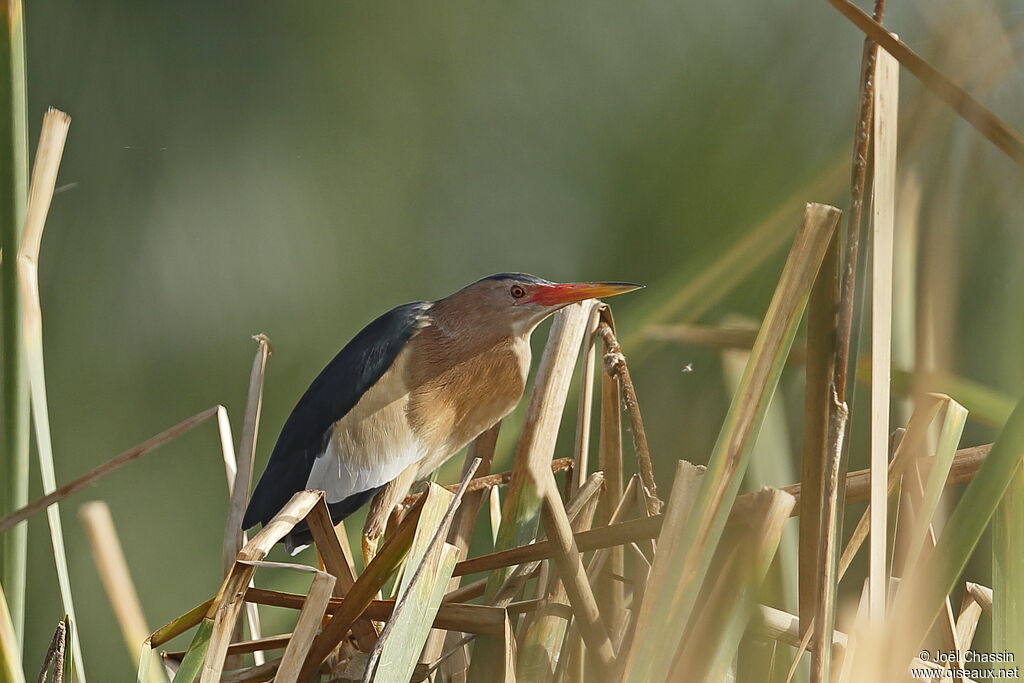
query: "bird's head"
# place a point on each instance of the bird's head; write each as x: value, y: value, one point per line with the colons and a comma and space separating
x: 515, y: 303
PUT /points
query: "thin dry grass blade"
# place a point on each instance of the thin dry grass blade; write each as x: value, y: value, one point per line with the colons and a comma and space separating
x: 691, y: 554
x: 242, y: 481
x: 453, y: 616
x: 883, y: 221
x: 927, y: 496
x: 110, y: 562
x: 115, y: 463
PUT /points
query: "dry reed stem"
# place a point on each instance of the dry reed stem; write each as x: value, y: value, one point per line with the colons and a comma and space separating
x: 338, y: 562
x: 627, y: 501
x: 451, y: 616
x: 363, y: 590
x: 242, y: 481
x: 997, y: 131
x: 820, y: 407
x: 492, y: 480
x: 108, y: 555
x: 615, y: 364
x: 461, y: 532
x: 314, y: 604
x: 584, y: 411
x: 540, y: 430
x: 715, y: 632
x: 230, y: 598
x: 886, y: 94
x: 611, y: 594
x: 574, y: 577
x: 514, y: 583
x: 544, y: 634
x: 434, y: 554
x: 965, y: 465
x: 967, y: 620
x: 55, y: 655
x: 838, y: 418
x: 685, y: 487
x: 115, y: 463
x: 45, y: 167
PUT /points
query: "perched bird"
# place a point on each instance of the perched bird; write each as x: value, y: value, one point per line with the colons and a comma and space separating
x: 408, y: 392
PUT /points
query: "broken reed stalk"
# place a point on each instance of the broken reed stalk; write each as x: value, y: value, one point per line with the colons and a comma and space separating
x: 46, y: 165
x: 14, y: 481
x: 108, y: 556
x: 819, y: 409
x: 112, y: 465
x: 886, y: 94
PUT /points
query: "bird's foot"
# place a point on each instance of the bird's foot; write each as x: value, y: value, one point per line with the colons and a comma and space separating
x: 369, y: 548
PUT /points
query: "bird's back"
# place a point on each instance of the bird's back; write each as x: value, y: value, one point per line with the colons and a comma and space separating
x: 334, y: 392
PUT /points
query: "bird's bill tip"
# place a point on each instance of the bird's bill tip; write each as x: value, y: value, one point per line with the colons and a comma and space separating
x: 571, y: 292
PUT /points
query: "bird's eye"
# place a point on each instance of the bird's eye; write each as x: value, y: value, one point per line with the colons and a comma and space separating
x: 517, y: 292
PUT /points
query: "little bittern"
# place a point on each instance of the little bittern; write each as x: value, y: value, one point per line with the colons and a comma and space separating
x: 408, y: 392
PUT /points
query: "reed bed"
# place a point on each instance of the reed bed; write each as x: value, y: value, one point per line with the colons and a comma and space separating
x: 595, y: 569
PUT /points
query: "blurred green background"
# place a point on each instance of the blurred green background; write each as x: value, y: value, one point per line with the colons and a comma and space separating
x: 297, y: 168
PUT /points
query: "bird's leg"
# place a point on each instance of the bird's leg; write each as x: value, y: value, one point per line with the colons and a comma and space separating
x: 381, y: 506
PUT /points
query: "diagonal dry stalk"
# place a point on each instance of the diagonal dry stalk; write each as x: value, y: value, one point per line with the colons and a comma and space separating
x: 997, y: 131
x: 112, y: 465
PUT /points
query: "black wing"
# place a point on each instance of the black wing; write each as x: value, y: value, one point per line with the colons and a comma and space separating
x: 334, y: 392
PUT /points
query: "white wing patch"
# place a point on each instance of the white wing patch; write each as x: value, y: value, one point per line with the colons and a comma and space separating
x: 372, y: 444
